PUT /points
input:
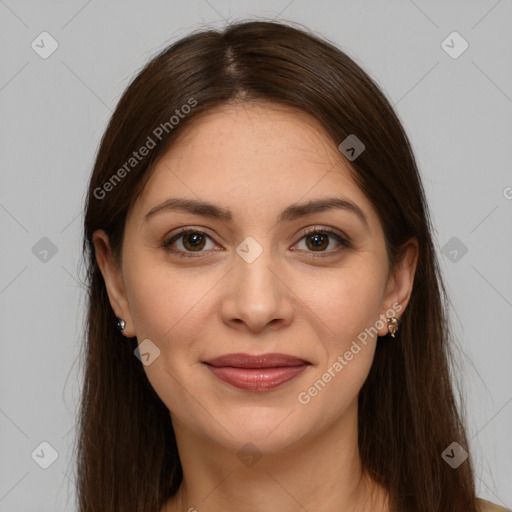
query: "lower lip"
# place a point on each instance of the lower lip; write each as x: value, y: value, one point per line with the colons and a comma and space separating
x: 256, y: 379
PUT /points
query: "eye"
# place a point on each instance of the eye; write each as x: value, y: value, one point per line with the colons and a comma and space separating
x: 187, y: 242
x: 318, y: 240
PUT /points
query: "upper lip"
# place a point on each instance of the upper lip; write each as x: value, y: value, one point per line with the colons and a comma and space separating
x: 270, y: 360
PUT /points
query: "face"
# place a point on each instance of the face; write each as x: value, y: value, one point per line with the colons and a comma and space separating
x: 256, y: 272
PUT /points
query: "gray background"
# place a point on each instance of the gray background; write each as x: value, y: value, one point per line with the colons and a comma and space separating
x: 457, y: 112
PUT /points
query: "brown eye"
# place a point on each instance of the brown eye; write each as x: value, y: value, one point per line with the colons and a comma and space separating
x: 322, y: 242
x: 317, y: 241
x: 187, y: 242
x: 194, y: 241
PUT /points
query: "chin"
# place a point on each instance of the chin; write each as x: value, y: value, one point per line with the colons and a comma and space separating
x: 269, y: 435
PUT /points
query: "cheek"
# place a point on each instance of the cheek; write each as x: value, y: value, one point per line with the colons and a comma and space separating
x: 348, y: 306
x: 166, y: 309
x: 347, y: 301
x: 164, y: 301
x: 335, y: 385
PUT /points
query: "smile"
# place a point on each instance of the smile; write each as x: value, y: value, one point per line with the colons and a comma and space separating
x: 256, y: 372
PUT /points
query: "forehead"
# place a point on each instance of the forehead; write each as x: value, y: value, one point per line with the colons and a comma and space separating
x: 256, y: 154
x: 254, y: 122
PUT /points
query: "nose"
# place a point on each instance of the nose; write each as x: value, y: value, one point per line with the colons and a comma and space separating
x: 257, y: 295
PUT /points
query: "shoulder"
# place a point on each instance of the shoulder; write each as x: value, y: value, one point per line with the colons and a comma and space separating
x: 487, y: 506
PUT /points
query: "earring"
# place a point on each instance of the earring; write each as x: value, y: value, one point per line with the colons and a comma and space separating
x: 120, y: 324
x: 392, y: 326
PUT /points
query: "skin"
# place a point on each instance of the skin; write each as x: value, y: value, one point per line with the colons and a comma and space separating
x: 256, y: 159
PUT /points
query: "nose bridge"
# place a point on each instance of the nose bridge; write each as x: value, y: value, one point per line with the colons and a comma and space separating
x: 258, y: 296
x: 256, y: 276
x: 252, y: 269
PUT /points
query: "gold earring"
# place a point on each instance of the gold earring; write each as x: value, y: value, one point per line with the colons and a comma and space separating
x: 392, y: 326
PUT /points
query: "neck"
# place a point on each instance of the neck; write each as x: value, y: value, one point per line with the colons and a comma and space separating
x: 322, y: 472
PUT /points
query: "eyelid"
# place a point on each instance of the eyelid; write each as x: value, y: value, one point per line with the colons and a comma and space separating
x: 341, y: 238
x: 170, y: 240
x: 326, y: 229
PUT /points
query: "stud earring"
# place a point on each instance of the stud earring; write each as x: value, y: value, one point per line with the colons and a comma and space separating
x: 120, y: 324
x: 392, y: 326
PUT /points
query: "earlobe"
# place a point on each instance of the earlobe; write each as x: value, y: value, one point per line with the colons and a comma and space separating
x: 112, y: 276
x: 400, y: 283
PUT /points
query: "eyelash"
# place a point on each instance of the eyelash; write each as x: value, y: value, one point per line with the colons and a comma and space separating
x: 310, y: 232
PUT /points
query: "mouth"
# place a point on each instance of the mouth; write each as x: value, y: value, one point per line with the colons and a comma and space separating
x: 256, y: 373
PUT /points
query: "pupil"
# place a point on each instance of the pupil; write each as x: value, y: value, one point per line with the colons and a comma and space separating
x: 318, y: 240
x: 194, y: 240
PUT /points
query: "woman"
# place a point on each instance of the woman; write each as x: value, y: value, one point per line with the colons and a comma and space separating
x: 266, y: 325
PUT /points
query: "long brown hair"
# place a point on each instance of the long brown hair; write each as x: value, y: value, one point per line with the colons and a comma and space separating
x: 127, y: 458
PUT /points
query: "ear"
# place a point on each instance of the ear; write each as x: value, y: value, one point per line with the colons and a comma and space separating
x: 400, y: 283
x: 113, y: 277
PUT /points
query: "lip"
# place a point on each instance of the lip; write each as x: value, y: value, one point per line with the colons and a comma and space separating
x: 256, y: 373
x: 269, y: 360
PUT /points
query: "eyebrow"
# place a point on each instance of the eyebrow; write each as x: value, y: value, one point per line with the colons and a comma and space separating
x: 292, y: 212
